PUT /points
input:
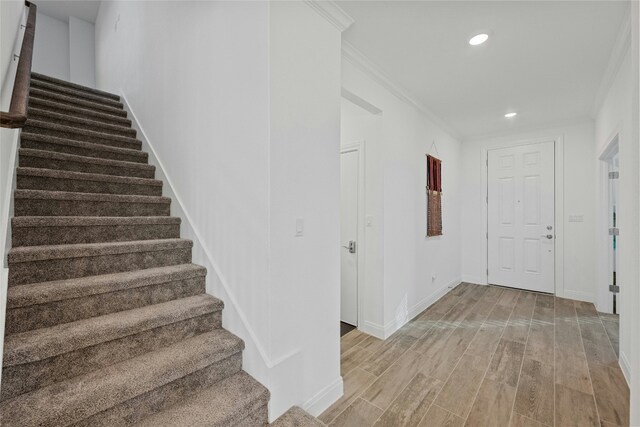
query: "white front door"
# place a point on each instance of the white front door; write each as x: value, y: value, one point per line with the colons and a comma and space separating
x: 520, y: 214
x: 348, y: 237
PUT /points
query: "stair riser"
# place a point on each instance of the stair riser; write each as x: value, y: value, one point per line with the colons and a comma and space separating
x: 31, y: 317
x: 21, y: 273
x: 156, y: 400
x: 57, y: 235
x: 95, y: 126
x: 82, y: 113
x: 84, y: 151
x: 84, y: 137
x: 29, y: 182
x: 39, y: 207
x: 76, y: 102
x: 75, y: 93
x: 77, y: 166
x: 23, y: 378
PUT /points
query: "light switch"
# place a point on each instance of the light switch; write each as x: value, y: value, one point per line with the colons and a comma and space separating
x: 299, y: 227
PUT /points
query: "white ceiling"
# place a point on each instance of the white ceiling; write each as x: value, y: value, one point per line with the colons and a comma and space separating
x: 544, y: 59
x: 86, y: 10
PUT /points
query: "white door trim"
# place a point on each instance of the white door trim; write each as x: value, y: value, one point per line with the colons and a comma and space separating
x: 559, y: 205
x: 359, y: 146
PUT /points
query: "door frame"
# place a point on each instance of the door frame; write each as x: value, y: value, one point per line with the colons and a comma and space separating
x: 604, y: 257
x: 558, y: 202
x: 359, y: 146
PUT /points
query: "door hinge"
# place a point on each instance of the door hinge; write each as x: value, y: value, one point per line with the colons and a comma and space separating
x: 487, y: 234
x: 614, y: 288
x: 614, y: 175
x: 487, y: 272
x: 487, y: 161
x: 614, y: 231
x: 487, y: 199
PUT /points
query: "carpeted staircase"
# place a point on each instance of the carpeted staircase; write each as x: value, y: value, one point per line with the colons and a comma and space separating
x: 108, y: 322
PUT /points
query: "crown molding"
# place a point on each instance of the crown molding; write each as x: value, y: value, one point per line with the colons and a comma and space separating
x: 546, y: 127
x: 333, y: 13
x: 618, y: 52
x: 358, y: 59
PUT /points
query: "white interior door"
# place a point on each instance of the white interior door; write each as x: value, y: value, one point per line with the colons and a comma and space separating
x: 520, y: 214
x: 348, y: 236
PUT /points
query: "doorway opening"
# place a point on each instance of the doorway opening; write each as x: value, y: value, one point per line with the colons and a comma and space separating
x: 610, y: 202
x: 350, y: 209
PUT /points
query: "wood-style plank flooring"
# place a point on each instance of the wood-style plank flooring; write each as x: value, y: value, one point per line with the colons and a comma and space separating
x: 486, y: 356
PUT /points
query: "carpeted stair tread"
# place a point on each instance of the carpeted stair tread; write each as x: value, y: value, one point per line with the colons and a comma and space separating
x: 39, y: 253
x: 79, y: 122
x: 79, y: 111
x: 296, y: 417
x: 58, y: 290
x: 88, y: 149
x: 83, y: 176
x: 42, y: 77
x: 39, y: 344
x: 82, y: 182
x: 69, y: 91
x: 227, y: 403
x: 62, y: 161
x: 35, y: 92
x: 65, y: 203
x: 72, y: 400
x: 68, y: 230
x: 69, y: 132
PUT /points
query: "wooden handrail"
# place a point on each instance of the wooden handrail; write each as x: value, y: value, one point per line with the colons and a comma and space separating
x: 16, y: 117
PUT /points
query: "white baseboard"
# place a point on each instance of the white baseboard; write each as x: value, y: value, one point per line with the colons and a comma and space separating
x: 431, y: 299
x: 324, y: 398
x: 373, y: 329
x: 625, y: 366
x: 476, y: 280
x: 577, y: 295
x: 385, y: 331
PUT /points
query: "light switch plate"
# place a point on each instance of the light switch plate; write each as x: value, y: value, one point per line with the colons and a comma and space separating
x: 299, y: 227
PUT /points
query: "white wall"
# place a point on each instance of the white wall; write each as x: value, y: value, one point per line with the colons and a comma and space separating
x: 634, y: 319
x: 51, y: 47
x: 12, y: 14
x: 65, y: 49
x: 212, y: 138
x: 246, y: 124
x: 578, y: 257
x: 400, y: 260
x: 304, y: 298
x: 82, y: 58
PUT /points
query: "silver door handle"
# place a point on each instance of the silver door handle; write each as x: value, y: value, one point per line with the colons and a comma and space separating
x: 351, y: 247
x: 548, y: 236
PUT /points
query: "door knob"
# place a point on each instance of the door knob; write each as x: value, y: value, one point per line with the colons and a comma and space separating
x: 351, y: 247
x: 548, y: 236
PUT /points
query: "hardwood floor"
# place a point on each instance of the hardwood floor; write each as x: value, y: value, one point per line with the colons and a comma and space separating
x: 486, y: 356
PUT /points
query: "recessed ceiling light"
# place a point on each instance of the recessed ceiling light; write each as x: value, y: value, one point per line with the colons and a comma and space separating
x: 509, y: 115
x: 478, y: 39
